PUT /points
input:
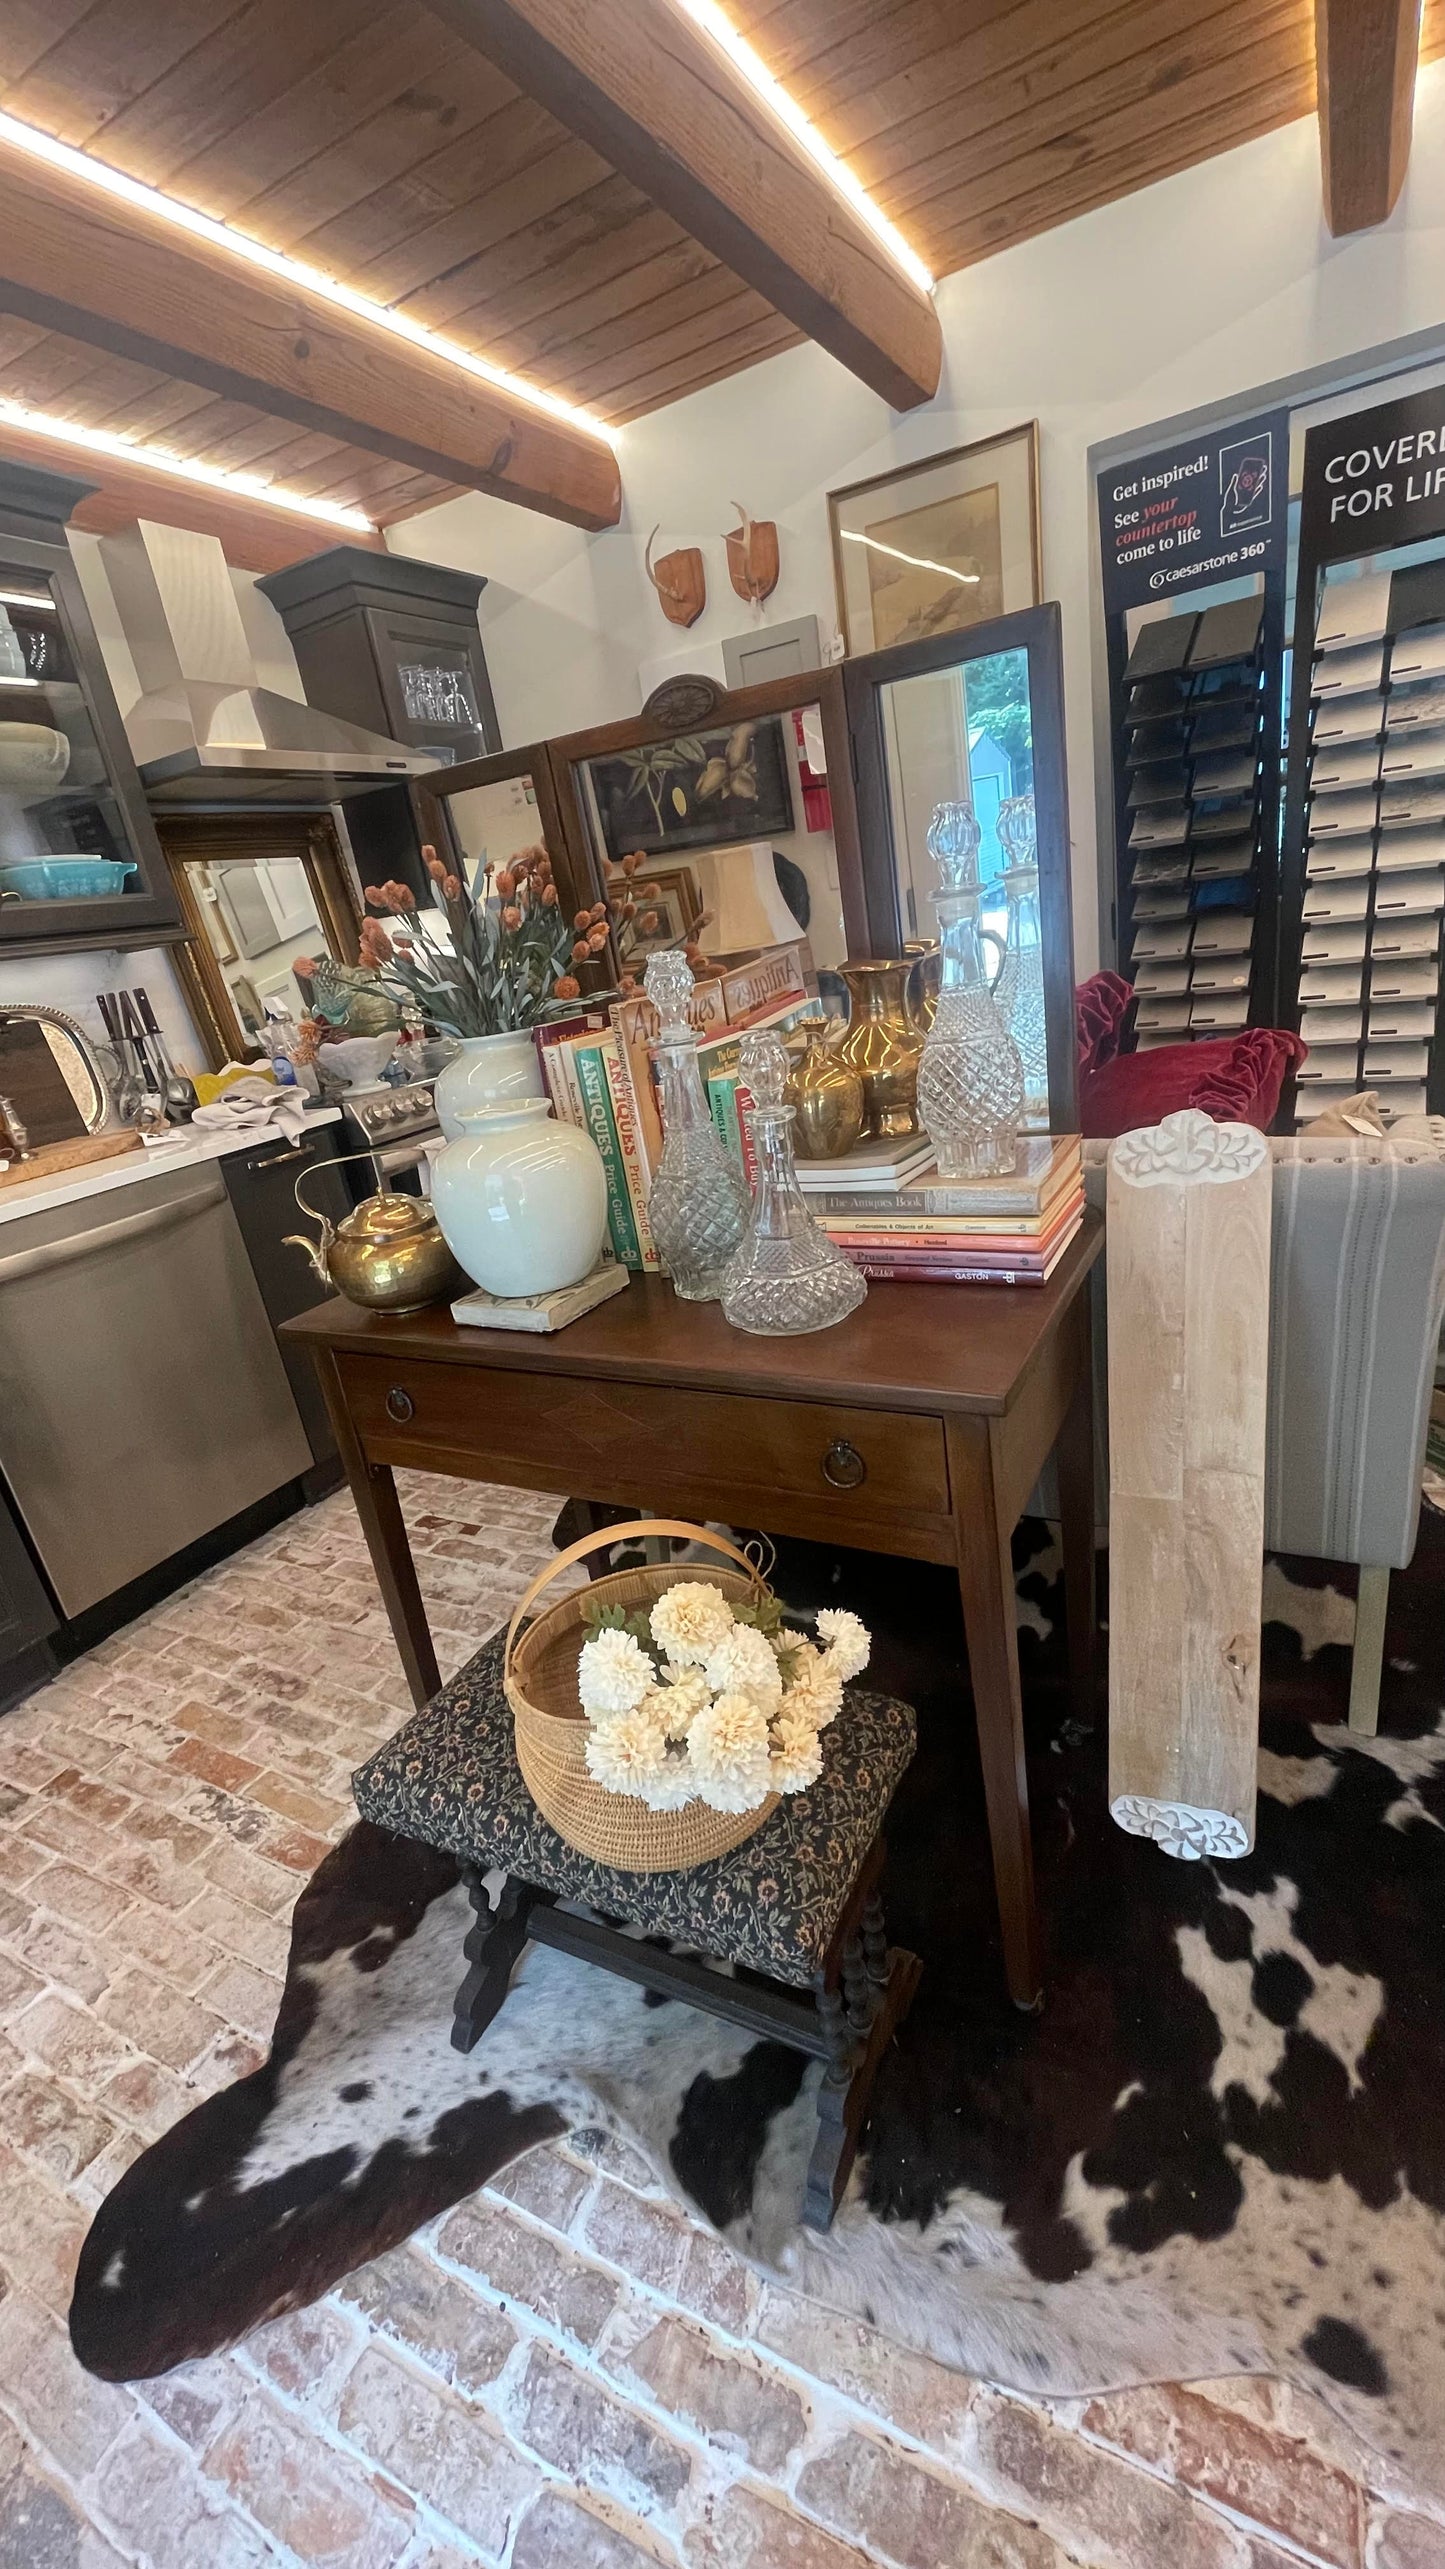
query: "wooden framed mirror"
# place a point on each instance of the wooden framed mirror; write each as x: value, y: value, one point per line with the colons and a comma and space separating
x: 257, y: 891
x: 741, y: 803
x: 502, y: 804
x: 975, y: 717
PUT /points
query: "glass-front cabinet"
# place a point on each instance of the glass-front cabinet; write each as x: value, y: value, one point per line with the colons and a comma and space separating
x: 79, y: 860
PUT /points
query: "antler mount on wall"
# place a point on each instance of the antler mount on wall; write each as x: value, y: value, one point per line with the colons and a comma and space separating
x: 680, y: 580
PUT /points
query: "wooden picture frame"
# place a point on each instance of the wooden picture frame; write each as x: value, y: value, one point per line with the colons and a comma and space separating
x: 936, y: 547
x: 191, y: 839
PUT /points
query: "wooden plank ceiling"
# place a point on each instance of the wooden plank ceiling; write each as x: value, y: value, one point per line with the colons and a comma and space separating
x: 364, y: 136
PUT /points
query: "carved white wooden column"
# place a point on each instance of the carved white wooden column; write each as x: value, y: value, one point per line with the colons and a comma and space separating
x: 1188, y: 1250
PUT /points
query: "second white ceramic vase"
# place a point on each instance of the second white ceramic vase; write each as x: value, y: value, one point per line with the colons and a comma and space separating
x: 521, y: 1199
x: 487, y: 1070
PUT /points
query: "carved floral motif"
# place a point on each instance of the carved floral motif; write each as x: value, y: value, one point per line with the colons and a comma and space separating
x: 1188, y: 1145
x: 1176, y: 1827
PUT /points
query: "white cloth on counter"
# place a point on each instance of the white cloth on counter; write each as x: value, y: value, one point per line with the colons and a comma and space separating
x: 253, y: 1105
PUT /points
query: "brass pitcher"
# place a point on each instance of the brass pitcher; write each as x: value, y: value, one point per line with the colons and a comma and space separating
x: 389, y: 1255
x: 883, y: 1044
x: 925, y: 974
x: 825, y: 1091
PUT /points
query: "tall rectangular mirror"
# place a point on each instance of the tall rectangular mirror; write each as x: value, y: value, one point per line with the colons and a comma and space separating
x: 973, y: 717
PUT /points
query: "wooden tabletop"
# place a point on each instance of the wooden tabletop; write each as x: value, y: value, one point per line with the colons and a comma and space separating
x: 909, y: 1346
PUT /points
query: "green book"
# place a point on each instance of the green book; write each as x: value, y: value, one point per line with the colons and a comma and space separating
x: 722, y: 1098
x: 597, y: 1108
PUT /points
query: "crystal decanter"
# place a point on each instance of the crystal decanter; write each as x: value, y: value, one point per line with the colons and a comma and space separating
x: 699, y: 1200
x: 788, y: 1277
x: 970, y: 1079
x: 1019, y: 989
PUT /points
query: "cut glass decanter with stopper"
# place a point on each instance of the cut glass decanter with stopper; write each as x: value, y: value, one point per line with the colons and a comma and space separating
x: 699, y: 1201
x: 1019, y: 989
x: 788, y: 1277
x: 970, y: 1078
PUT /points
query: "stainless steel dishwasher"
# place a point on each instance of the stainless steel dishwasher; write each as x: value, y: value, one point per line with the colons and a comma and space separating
x: 142, y: 1396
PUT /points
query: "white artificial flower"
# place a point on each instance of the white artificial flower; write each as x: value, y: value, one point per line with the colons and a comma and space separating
x: 689, y: 1620
x: 627, y: 1754
x: 848, y: 1641
x: 728, y: 1752
x: 614, y: 1672
x: 797, y: 1759
x: 679, y: 1699
x: 816, y: 1693
x: 673, y: 1787
x: 745, y: 1663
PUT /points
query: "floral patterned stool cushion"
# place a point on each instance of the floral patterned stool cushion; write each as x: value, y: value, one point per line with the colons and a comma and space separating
x: 796, y: 1904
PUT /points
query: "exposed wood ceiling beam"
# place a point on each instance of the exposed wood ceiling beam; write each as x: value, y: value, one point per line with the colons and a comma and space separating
x: 121, y: 278
x: 255, y: 538
x: 1365, y: 53
x: 648, y: 90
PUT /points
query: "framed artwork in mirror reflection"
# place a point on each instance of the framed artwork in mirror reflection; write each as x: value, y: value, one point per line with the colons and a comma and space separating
x: 699, y: 789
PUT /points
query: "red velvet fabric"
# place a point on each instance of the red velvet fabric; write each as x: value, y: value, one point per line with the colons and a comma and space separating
x: 1235, y: 1078
x: 1100, y: 1008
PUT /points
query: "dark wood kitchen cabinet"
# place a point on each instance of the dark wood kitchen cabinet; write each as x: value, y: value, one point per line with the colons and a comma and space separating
x: 28, y: 1615
x: 262, y: 1187
x: 393, y: 644
x: 66, y: 770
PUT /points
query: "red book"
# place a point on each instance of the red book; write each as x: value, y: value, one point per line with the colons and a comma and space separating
x: 1009, y: 1249
x: 926, y: 1266
x: 937, y: 1271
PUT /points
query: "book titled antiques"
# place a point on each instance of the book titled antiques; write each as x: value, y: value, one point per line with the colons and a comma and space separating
x: 764, y: 982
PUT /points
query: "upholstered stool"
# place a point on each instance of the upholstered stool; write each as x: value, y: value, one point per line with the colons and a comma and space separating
x: 795, y: 1910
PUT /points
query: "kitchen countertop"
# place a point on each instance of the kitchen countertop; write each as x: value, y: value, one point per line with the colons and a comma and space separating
x: 130, y: 1168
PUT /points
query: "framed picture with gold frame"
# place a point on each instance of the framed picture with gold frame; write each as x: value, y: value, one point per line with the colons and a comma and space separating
x: 934, y: 547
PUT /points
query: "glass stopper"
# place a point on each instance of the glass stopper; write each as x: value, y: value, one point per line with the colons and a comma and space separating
x: 668, y: 982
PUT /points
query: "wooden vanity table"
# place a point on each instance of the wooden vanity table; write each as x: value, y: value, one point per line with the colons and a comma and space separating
x: 917, y: 1427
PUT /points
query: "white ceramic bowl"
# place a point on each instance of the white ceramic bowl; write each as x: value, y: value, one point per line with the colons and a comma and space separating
x: 33, y: 758
x: 358, y: 1059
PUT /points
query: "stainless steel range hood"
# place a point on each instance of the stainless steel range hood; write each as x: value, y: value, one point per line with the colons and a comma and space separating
x: 205, y: 729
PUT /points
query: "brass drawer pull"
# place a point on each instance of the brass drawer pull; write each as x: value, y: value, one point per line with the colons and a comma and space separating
x: 399, y: 1404
x: 844, y: 1466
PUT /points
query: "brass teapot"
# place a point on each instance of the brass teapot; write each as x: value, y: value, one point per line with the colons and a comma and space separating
x: 389, y: 1255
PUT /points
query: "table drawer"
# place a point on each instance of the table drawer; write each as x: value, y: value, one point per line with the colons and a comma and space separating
x: 575, y: 1434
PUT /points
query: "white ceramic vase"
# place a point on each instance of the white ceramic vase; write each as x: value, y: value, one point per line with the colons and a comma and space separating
x: 521, y: 1199
x: 489, y: 1070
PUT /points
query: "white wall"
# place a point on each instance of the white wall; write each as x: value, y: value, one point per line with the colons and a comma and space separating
x: 1193, y: 291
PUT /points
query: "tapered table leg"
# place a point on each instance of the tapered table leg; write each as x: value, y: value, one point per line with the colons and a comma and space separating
x: 986, y: 1583
x: 374, y: 1490
x: 1074, y: 1459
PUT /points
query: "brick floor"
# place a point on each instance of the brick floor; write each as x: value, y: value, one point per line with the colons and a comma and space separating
x: 564, y: 2373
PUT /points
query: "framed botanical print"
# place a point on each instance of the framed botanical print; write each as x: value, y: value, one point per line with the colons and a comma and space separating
x: 933, y: 547
x: 697, y: 790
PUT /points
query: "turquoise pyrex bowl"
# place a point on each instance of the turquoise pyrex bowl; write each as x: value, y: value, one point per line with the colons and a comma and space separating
x: 64, y: 878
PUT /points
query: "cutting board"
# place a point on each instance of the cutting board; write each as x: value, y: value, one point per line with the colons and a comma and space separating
x: 53, y: 1157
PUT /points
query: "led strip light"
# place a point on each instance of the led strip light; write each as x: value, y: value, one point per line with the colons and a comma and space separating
x: 183, y: 468
x: 714, y: 23
x: 222, y: 236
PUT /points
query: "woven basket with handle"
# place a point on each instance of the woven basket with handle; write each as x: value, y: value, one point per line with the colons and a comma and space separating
x: 539, y: 1673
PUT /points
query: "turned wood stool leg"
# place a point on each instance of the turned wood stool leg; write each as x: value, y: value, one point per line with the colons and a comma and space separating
x: 875, y: 1941
x: 858, y: 1995
x: 491, y: 1946
x: 862, y: 1994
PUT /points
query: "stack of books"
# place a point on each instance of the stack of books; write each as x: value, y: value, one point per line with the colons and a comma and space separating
x: 599, y: 1073
x: 895, y: 1217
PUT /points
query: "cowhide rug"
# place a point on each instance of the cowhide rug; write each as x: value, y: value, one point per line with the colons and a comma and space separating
x: 1219, y: 2150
